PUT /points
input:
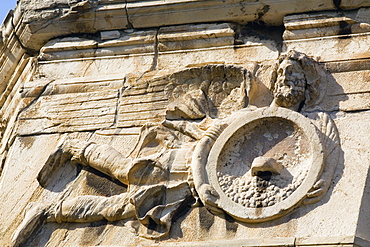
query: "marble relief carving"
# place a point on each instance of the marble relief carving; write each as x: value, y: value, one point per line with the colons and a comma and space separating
x: 268, y: 161
x: 274, y: 174
x: 255, y: 164
x: 265, y: 163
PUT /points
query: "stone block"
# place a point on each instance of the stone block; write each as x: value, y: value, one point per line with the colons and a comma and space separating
x: 185, y: 123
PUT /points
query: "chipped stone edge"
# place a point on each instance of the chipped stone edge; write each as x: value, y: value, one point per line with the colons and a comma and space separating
x: 275, y: 242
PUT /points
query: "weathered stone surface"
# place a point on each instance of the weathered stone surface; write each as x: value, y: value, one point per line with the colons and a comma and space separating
x: 185, y: 123
x: 338, y: 39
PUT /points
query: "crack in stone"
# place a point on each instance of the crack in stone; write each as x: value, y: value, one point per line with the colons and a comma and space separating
x: 129, y: 24
x: 29, y: 51
x: 261, y: 12
x: 156, y: 52
x: 337, y: 4
x: 35, y: 99
x: 118, y: 104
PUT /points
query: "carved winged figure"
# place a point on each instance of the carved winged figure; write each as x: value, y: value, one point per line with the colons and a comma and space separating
x: 200, y: 111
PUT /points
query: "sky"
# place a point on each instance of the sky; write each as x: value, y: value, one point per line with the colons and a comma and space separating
x: 5, y: 6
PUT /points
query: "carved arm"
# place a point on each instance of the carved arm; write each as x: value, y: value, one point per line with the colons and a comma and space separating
x: 103, y: 158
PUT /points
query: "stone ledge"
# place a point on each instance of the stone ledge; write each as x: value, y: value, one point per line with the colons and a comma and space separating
x: 24, y: 30
x: 88, y: 17
x: 330, y: 241
x: 327, y: 24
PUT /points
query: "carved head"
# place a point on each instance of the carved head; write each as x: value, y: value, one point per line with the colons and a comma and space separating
x: 297, y: 81
x: 290, y: 84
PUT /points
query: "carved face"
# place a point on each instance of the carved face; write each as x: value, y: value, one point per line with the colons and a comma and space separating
x: 290, y: 84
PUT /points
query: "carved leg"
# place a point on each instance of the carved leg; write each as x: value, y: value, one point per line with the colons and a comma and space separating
x: 35, y: 216
x: 103, y: 158
x: 95, y: 208
x: 109, y: 161
x: 79, y: 209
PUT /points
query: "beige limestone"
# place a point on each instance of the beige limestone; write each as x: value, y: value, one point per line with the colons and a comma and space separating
x: 140, y: 100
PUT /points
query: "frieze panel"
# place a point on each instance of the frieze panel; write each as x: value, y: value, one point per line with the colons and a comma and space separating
x: 211, y: 149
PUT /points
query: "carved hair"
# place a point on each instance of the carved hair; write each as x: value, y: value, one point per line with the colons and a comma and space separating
x: 315, y: 78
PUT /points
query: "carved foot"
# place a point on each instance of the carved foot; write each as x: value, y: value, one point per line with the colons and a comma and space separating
x: 75, y: 149
x: 36, y: 214
x: 67, y: 149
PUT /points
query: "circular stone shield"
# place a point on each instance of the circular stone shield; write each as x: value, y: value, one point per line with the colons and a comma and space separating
x: 288, y: 142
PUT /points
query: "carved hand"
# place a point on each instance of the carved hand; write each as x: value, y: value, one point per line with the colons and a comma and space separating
x: 75, y: 148
x: 317, y: 191
x: 209, y: 196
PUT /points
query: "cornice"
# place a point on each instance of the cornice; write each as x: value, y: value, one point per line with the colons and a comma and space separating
x: 42, y: 20
x: 34, y: 23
